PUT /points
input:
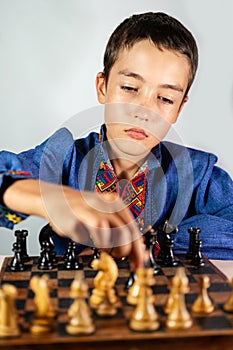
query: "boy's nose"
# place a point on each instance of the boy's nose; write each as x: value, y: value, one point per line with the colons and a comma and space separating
x: 147, y: 101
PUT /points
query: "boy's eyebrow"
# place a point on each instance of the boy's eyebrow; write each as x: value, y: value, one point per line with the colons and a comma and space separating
x: 127, y: 73
x: 175, y: 87
x: 137, y: 76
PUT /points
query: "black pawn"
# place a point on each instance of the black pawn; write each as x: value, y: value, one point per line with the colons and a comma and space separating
x: 68, y: 250
x: 45, y: 261
x: 197, y: 259
x: 130, y: 281
x: 46, y: 235
x: 17, y: 262
x: 95, y: 255
x: 71, y: 262
x: 193, y: 237
x: 166, y: 243
x: 150, y: 242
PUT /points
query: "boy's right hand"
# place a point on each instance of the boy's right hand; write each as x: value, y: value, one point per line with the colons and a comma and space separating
x: 86, y: 217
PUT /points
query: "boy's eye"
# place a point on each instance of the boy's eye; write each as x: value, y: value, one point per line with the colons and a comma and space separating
x: 165, y: 100
x: 128, y: 88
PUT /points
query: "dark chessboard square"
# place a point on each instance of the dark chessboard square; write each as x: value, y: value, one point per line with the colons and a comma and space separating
x: 190, y: 298
x: 219, y: 287
x: 206, y: 270
x: 121, y: 281
x: 191, y: 279
x: 53, y: 293
x: 160, y: 289
x: 64, y: 303
x: 214, y: 322
x: 90, y: 273
x: 20, y: 304
x: 123, y: 265
x: 52, y: 274
x: 86, y: 259
x: 62, y: 282
x: 21, y: 284
x: 61, y: 328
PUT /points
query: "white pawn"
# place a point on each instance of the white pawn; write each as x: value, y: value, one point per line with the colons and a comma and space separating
x: 178, y: 316
x: 203, y: 303
x: 144, y: 317
x: 8, y: 313
x: 228, y: 306
x: 79, y: 313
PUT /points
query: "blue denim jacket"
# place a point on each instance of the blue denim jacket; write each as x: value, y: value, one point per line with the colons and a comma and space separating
x: 184, y: 186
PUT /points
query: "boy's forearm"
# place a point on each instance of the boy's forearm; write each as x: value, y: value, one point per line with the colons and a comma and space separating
x: 25, y: 196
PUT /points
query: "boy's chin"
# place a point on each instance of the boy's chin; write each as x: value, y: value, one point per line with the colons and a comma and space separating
x: 123, y: 148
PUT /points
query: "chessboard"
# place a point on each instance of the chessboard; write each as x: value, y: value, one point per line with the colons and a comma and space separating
x: 210, y: 332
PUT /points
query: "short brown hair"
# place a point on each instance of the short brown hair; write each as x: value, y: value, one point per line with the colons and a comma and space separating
x: 163, y: 30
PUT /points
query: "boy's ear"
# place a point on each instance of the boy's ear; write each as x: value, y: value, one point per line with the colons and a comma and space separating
x: 101, y: 87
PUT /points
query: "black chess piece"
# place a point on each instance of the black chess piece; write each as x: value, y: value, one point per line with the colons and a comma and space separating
x: 166, y: 243
x: 95, y: 255
x: 130, y: 280
x: 150, y: 240
x: 68, y: 250
x: 197, y: 259
x: 45, y: 235
x: 45, y: 261
x: 25, y: 256
x: 21, y: 236
x: 193, y: 237
x: 71, y: 262
x: 17, y: 262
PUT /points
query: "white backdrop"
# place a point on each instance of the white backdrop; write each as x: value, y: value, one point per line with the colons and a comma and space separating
x: 51, y: 50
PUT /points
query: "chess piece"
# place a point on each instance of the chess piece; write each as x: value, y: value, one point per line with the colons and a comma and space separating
x: 42, y: 321
x: 68, y: 249
x: 45, y: 261
x: 203, y: 303
x: 144, y: 317
x: 173, y: 285
x: 197, y: 259
x: 228, y: 306
x: 95, y: 255
x: 150, y: 242
x: 79, y: 313
x: 166, y: 243
x: 46, y: 235
x: 21, y: 237
x: 17, y: 262
x: 178, y: 316
x: 140, y: 276
x: 8, y: 313
x: 130, y: 281
x: 193, y: 237
x: 71, y: 262
x: 103, y: 297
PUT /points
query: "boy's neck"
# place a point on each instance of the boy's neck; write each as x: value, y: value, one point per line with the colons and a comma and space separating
x: 124, y: 169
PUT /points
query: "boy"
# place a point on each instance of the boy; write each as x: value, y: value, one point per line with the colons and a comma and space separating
x: 105, y: 189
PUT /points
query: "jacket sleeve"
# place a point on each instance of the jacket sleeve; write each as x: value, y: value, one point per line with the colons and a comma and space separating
x: 211, y: 209
x: 44, y: 162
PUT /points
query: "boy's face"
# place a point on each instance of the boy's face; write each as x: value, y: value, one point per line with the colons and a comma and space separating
x: 144, y: 95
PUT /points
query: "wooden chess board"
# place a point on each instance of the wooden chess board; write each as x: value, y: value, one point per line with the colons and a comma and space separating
x: 209, y: 332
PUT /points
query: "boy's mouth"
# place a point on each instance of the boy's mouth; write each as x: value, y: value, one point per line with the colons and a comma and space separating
x: 137, y: 134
